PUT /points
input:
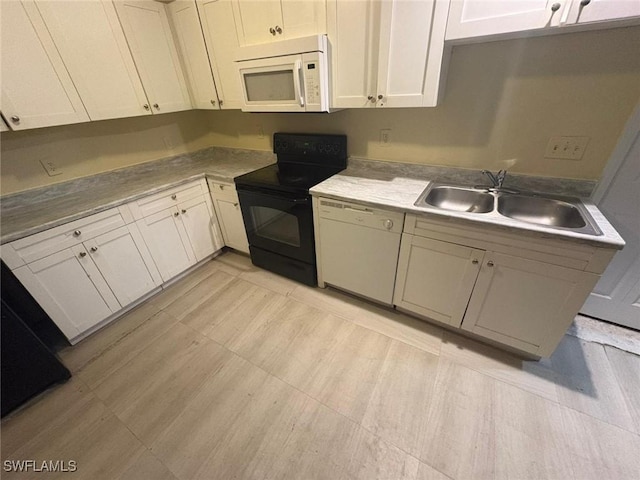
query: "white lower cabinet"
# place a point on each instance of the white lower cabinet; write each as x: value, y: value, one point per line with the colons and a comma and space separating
x: 227, y: 207
x: 201, y: 227
x: 82, y: 285
x: 70, y: 288
x: 435, y: 279
x: 165, y: 235
x: 519, y: 293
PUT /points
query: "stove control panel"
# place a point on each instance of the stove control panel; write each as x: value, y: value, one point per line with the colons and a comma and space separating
x: 313, y: 147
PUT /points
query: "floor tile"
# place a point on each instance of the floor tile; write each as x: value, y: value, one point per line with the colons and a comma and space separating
x: 460, y: 436
x: 399, y: 406
x: 147, y: 467
x: 179, y: 288
x: 383, y: 320
x: 155, y: 387
x: 346, y: 379
x: 587, y: 383
x: 125, y: 349
x: 79, y: 355
x: 426, y: 472
x: 601, y: 450
x: 530, y: 375
x: 626, y: 368
x: 269, y: 280
x: 188, y: 301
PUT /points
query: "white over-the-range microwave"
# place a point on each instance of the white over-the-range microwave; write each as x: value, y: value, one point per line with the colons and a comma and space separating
x: 285, y: 76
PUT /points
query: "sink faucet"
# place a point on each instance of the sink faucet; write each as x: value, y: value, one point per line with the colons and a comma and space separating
x: 496, y: 180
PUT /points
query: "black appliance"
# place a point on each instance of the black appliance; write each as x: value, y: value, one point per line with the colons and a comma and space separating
x: 276, y: 204
x: 28, y: 334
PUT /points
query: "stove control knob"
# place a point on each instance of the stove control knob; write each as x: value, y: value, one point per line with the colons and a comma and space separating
x: 388, y: 224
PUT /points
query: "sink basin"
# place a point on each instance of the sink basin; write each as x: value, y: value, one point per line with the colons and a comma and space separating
x: 541, y: 210
x: 458, y: 199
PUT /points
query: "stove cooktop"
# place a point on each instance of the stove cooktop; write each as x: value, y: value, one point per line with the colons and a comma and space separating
x: 287, y: 177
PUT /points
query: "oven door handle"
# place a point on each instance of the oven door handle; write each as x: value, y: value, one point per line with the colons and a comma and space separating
x: 297, y: 201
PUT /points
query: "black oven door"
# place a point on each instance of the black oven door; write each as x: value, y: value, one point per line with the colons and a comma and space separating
x: 279, y: 222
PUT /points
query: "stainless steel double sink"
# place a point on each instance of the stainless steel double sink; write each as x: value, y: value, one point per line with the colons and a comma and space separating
x: 564, y: 213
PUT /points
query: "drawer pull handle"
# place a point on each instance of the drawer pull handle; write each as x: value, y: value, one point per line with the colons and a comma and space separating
x: 77, y: 233
x: 173, y: 197
x: 82, y: 254
x: 235, y: 204
x: 490, y: 263
x: 183, y: 211
x: 94, y: 249
x: 474, y: 261
x: 175, y: 214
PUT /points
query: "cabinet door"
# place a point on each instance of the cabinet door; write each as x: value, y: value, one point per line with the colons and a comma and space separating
x: 411, y: 49
x: 201, y: 226
x: 125, y: 263
x: 525, y: 303
x: 36, y: 88
x: 477, y: 18
x: 148, y: 34
x: 353, y: 29
x: 70, y: 289
x: 216, y: 17
x: 233, y: 231
x: 302, y: 18
x: 3, y: 126
x: 435, y: 278
x: 91, y: 42
x: 257, y: 21
x: 190, y: 42
x: 602, y: 10
x: 164, y: 234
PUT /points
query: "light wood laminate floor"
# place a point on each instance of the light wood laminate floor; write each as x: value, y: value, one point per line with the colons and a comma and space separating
x: 234, y: 372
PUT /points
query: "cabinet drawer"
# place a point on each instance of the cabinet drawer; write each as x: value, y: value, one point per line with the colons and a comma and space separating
x: 166, y: 199
x: 40, y: 245
x: 223, y: 191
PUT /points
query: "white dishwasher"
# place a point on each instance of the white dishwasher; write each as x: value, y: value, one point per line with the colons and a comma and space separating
x: 358, y: 248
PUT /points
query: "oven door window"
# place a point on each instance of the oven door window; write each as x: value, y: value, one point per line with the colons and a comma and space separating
x: 276, y: 225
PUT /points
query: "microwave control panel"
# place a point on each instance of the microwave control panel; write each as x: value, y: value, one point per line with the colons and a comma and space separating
x: 312, y: 82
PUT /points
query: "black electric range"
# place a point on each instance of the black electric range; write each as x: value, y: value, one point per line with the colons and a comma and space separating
x: 276, y: 204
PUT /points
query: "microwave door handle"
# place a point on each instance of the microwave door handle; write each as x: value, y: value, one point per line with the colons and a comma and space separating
x: 297, y: 80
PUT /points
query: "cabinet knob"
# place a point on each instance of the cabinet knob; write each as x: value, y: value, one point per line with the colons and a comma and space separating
x: 146, y: 106
x: 213, y: 102
x: 156, y: 106
x: 221, y: 187
x: 388, y: 224
x: 235, y: 204
x: 555, y: 7
x: 379, y: 97
x: 183, y: 210
x: 372, y: 98
x: 278, y: 29
x: 272, y: 31
x: 490, y: 263
x: 15, y: 119
x: 94, y: 249
x: 82, y: 254
x: 220, y: 102
x: 173, y: 197
x: 77, y: 233
x: 474, y: 261
x: 175, y: 214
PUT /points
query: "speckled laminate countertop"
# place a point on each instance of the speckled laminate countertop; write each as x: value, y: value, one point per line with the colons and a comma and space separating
x: 398, y: 186
x: 36, y: 210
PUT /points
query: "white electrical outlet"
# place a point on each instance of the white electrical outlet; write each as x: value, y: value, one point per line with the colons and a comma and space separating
x: 385, y: 137
x: 570, y: 148
x: 51, y: 167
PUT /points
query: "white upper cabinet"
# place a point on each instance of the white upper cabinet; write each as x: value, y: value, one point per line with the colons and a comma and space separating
x: 264, y: 21
x: 584, y: 11
x: 91, y: 42
x: 190, y: 41
x: 150, y: 39
x: 36, y: 88
x: 216, y: 18
x: 386, y: 54
x: 482, y: 18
